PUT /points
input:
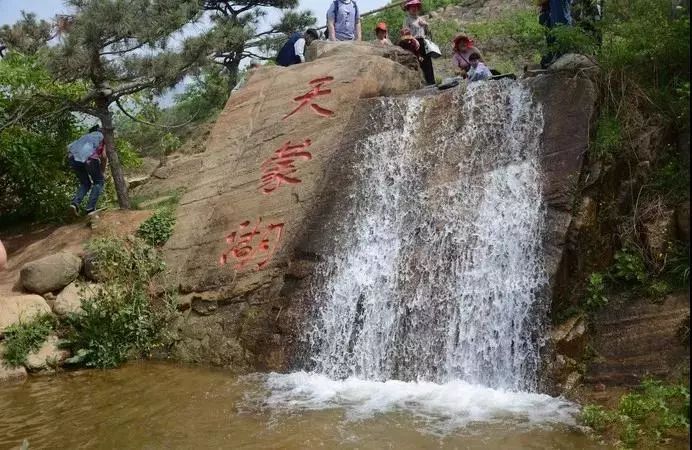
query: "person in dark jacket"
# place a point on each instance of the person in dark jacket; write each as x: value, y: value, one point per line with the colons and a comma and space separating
x: 293, y: 51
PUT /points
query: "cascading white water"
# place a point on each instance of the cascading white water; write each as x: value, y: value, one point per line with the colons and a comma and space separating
x: 440, y: 282
x: 437, y: 278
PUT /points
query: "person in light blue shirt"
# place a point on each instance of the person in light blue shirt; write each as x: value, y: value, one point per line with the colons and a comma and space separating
x: 87, y: 158
x: 343, y: 21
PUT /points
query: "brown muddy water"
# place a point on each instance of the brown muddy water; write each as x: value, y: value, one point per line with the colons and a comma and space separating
x: 152, y: 405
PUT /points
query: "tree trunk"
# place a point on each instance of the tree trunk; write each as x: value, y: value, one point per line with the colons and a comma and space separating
x: 113, y: 160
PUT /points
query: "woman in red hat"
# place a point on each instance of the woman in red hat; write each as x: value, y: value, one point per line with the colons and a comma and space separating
x: 463, y: 49
x: 382, y: 35
x: 419, y: 30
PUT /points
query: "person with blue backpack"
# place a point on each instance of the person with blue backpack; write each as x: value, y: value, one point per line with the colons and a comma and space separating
x: 343, y: 21
x: 293, y: 51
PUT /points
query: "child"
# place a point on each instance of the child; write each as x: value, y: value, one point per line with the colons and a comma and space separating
x: 418, y: 28
x: 478, y: 70
x: 381, y: 33
x: 408, y: 42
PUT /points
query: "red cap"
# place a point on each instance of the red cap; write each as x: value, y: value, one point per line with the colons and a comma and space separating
x: 381, y: 26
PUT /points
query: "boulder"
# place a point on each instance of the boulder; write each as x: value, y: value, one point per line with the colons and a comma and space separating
x: 355, y: 50
x: 659, y: 231
x: 10, y: 374
x: 21, y: 308
x: 576, y: 63
x: 50, y: 273
x: 70, y: 299
x: 48, y: 357
x: 569, y: 337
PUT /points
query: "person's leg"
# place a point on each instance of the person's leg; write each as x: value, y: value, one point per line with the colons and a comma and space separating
x: 80, y: 171
x: 93, y: 166
x: 560, y: 12
x: 426, y: 65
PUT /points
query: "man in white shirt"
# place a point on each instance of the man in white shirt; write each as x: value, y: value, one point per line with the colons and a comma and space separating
x: 293, y: 51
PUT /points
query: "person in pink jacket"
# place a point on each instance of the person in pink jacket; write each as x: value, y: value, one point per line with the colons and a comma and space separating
x: 463, y: 49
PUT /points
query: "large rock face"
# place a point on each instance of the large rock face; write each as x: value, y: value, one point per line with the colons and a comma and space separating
x: 50, y: 273
x: 276, y: 177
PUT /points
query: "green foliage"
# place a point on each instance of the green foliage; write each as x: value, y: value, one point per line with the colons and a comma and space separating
x: 595, y: 292
x: 27, y: 36
x: 608, y: 140
x: 629, y: 265
x: 597, y: 417
x: 118, y: 320
x: 158, y: 228
x: 671, y: 179
x: 444, y: 31
x: 35, y: 183
x: 650, y: 412
x: 128, y: 155
x: 25, y: 337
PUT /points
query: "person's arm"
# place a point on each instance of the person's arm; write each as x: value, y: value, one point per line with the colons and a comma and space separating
x: 359, y: 34
x: 3, y: 257
x: 330, y: 22
x: 299, y: 49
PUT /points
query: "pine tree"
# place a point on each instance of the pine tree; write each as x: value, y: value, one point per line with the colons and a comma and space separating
x: 121, y: 47
x: 235, y: 33
x: 26, y: 36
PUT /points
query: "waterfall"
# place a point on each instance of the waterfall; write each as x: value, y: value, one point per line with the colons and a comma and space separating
x: 440, y: 280
x: 434, y: 299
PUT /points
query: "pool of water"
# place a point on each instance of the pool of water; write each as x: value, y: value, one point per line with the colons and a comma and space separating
x: 160, y: 405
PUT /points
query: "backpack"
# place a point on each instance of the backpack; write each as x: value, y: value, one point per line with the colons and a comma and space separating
x: 336, y: 9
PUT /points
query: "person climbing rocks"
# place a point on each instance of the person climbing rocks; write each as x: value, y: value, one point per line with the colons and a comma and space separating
x: 478, y: 70
x: 293, y: 51
x: 420, y: 30
x: 343, y: 21
x: 553, y: 13
x: 87, y: 159
x: 410, y: 43
x: 463, y: 49
x: 381, y: 34
x: 3, y: 257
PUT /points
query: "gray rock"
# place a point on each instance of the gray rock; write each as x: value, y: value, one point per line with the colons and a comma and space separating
x: 48, y: 357
x: 21, y: 308
x: 569, y: 337
x: 573, y: 62
x: 50, y: 273
x: 70, y: 299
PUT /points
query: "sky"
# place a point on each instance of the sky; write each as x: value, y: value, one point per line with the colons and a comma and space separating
x: 45, y: 9
x: 10, y: 12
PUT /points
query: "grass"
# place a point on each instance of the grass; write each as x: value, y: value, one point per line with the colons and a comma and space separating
x: 23, y: 338
x: 644, y: 417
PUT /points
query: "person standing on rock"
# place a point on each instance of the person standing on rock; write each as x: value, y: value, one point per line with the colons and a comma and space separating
x: 420, y: 30
x: 382, y: 35
x: 343, y: 21
x: 87, y: 159
x: 293, y: 51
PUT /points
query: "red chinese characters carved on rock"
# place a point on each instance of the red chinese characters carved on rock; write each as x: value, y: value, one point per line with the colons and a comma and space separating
x: 252, y: 245
x: 279, y: 169
x: 307, y: 98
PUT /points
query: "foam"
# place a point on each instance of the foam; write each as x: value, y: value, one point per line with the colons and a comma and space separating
x: 443, y: 406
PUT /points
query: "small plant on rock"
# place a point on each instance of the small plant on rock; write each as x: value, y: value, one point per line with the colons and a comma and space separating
x: 595, y: 292
x: 25, y: 337
x: 629, y: 265
x: 158, y: 228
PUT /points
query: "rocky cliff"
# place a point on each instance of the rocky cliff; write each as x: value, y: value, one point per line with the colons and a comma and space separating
x: 276, y: 177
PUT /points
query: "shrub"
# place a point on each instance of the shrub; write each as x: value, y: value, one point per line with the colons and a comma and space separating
x: 608, y: 139
x: 595, y: 292
x: 629, y: 265
x: 652, y: 411
x: 158, y: 228
x: 119, y: 320
x: 596, y: 417
x: 25, y: 337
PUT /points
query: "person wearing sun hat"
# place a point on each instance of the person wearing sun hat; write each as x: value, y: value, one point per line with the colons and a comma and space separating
x: 408, y: 42
x: 382, y: 34
x: 420, y: 30
x: 463, y: 49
